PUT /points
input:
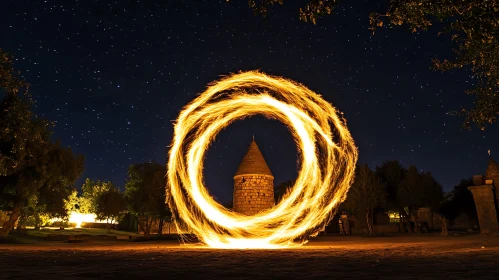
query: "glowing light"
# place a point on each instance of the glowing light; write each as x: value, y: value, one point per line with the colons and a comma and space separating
x: 80, y: 218
x: 326, y: 148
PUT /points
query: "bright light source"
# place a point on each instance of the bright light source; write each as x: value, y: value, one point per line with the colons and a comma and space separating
x: 80, y: 218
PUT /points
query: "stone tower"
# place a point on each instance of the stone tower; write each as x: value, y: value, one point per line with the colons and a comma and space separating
x: 485, y: 195
x: 492, y: 172
x: 253, y: 183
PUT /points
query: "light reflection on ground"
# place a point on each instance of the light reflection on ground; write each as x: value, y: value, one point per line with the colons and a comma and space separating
x: 400, y: 257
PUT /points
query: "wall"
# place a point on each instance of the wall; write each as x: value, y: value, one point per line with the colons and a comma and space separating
x: 253, y: 193
x: 485, y: 207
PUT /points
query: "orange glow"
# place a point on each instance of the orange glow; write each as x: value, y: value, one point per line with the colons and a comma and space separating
x: 80, y: 218
x: 326, y: 148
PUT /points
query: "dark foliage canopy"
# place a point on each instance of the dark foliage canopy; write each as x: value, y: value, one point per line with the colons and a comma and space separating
x: 367, y: 192
x: 459, y: 201
x: 145, y: 193
x: 31, y: 164
x: 110, y: 205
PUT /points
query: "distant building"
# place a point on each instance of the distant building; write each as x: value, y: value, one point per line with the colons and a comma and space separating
x: 485, y: 194
x: 253, y: 183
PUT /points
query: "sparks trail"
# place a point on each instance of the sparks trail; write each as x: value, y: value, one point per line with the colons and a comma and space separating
x: 322, y: 181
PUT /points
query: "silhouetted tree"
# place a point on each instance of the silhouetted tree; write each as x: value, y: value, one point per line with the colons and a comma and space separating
x: 110, y: 206
x: 458, y: 201
x: 392, y: 175
x: 163, y: 212
x: 366, y: 194
x: 431, y: 192
x: 419, y: 190
x: 146, y: 194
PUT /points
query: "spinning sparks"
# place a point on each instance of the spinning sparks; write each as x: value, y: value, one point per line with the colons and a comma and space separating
x: 326, y: 148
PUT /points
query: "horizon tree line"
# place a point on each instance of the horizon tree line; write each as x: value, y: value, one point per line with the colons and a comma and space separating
x: 144, y: 198
x: 392, y: 188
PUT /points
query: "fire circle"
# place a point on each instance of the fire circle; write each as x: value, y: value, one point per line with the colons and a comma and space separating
x: 326, y: 149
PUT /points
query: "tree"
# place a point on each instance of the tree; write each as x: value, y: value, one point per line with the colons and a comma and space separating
x: 164, y: 213
x: 30, y: 163
x: 366, y: 194
x: 91, y: 191
x: 431, y: 192
x: 471, y: 25
x: 409, y: 192
x: 419, y: 190
x: 145, y: 194
x: 76, y: 203
x: 460, y: 200
x: 10, y: 80
x: 46, y: 175
x: 392, y: 175
x: 110, y: 206
x: 313, y: 10
x: 33, y: 214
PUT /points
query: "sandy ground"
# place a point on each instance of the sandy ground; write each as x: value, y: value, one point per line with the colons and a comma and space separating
x: 399, y: 257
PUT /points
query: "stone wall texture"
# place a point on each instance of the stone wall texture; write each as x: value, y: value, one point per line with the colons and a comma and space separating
x: 253, y: 193
x: 485, y: 207
x: 492, y: 173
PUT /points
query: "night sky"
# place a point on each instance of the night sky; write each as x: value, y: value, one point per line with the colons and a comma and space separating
x: 113, y: 75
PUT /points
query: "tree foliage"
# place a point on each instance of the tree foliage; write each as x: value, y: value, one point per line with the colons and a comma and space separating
x: 419, y: 190
x: 391, y: 174
x: 110, y: 206
x: 431, y: 192
x: 146, y: 195
x: 402, y: 190
x: 10, y: 81
x: 460, y: 201
x: 33, y: 214
x: 77, y: 203
x: 30, y: 163
x: 366, y: 194
x: 367, y: 191
x: 311, y: 11
x: 92, y: 190
x: 472, y: 25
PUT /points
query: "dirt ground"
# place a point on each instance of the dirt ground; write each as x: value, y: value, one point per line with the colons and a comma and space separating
x: 398, y: 257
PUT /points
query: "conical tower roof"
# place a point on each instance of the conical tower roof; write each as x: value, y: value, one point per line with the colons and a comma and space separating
x: 492, y: 170
x: 253, y: 162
